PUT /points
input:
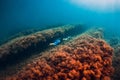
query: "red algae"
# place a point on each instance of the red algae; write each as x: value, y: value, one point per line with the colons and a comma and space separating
x: 85, y: 58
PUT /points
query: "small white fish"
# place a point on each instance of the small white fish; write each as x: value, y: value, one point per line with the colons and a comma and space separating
x: 65, y: 39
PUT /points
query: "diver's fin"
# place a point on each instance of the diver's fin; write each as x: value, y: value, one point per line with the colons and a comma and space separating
x: 51, y: 44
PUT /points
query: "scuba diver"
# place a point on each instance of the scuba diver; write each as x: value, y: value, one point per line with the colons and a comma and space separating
x: 58, y: 41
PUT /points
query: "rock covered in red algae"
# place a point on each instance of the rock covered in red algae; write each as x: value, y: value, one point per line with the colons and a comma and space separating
x: 84, y: 58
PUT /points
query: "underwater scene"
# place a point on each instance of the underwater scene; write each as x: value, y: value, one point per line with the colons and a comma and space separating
x: 59, y: 40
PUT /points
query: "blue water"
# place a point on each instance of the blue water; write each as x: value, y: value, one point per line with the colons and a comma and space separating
x: 19, y: 15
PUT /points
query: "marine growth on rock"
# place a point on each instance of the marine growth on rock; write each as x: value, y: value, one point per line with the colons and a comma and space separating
x: 85, y: 58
